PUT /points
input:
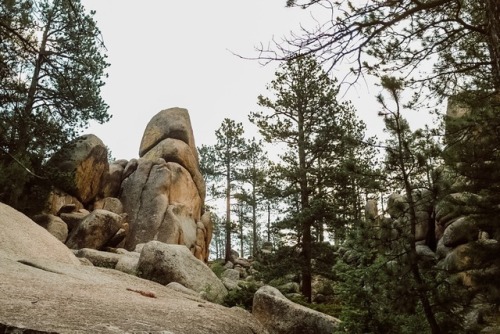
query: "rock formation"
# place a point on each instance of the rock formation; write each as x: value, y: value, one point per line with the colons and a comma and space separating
x: 293, y: 318
x: 79, y: 167
x: 45, y: 289
x: 164, y: 264
x: 163, y: 192
x: 159, y: 196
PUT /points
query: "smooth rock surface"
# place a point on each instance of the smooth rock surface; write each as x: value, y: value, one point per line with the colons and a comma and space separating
x: 164, y: 263
x: 21, y: 238
x: 281, y: 316
x: 45, y: 296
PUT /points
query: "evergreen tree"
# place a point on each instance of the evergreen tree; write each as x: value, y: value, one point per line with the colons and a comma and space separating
x: 306, y: 118
x: 253, y: 175
x: 220, y: 163
x: 459, y: 39
x: 389, y: 283
x: 52, y: 65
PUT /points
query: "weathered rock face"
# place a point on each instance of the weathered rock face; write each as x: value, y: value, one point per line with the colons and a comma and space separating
x: 21, y: 238
x: 169, y: 123
x: 174, y: 150
x: 57, y: 199
x: 78, y: 168
x: 281, y: 316
x: 44, y: 289
x: 95, y: 230
x: 163, y: 192
x: 165, y: 263
x: 112, y: 179
x: 162, y: 204
x: 49, y: 297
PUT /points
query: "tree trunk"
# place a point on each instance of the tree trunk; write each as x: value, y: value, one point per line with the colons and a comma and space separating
x: 422, y: 293
x: 241, y: 231
x: 493, y: 27
x: 268, y: 222
x: 306, y: 220
x: 228, y: 214
x: 25, y: 124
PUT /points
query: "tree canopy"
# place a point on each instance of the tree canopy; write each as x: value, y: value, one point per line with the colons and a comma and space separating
x: 52, y: 63
x: 316, y: 132
x: 458, y: 40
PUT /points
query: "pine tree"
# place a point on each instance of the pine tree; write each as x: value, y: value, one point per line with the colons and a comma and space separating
x: 311, y: 125
x: 220, y: 162
x: 52, y: 63
x: 391, y: 284
x: 253, y: 179
x: 458, y: 39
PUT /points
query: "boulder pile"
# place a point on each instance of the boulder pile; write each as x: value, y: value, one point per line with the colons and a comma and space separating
x: 160, y: 196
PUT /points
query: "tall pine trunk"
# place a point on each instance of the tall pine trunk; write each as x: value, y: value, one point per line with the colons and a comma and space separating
x: 228, y: 213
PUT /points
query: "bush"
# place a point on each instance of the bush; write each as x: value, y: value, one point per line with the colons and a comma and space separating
x: 243, y: 297
x: 217, y: 267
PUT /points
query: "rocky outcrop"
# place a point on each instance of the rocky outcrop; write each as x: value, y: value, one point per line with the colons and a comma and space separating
x: 169, y: 123
x: 165, y: 263
x: 281, y: 316
x: 22, y: 239
x: 96, y: 230
x: 44, y: 289
x: 79, y: 167
x: 177, y: 151
x: 163, y: 192
x: 162, y: 204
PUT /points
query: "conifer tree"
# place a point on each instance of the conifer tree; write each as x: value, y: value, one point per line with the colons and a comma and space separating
x: 311, y: 125
x: 391, y: 284
x: 220, y: 162
x: 253, y: 176
x: 52, y: 64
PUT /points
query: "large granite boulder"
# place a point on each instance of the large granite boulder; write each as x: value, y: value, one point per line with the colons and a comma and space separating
x: 164, y: 263
x: 21, y: 239
x: 162, y: 203
x: 112, y: 178
x: 95, y: 230
x: 53, y: 224
x: 174, y: 150
x: 282, y: 316
x: 42, y: 296
x: 56, y: 199
x: 169, y: 123
x: 79, y: 167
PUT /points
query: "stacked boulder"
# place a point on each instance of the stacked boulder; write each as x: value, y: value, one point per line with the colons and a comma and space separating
x: 99, y: 205
x: 163, y: 191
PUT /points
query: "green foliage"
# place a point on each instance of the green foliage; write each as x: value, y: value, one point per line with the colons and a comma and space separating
x: 279, y: 266
x: 242, y: 297
x: 458, y: 40
x: 217, y: 267
x: 220, y: 163
x: 324, y: 164
x: 52, y: 65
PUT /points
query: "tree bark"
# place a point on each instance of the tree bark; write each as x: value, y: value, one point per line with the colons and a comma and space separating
x: 228, y: 213
x: 493, y: 27
x: 306, y: 220
x: 422, y: 293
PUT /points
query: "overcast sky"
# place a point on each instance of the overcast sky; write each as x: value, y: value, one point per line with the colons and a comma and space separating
x: 178, y: 54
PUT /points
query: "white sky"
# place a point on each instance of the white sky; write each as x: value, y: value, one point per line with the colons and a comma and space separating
x: 167, y: 53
